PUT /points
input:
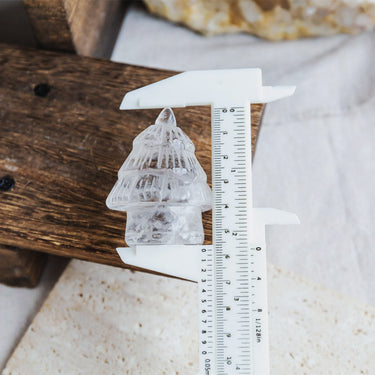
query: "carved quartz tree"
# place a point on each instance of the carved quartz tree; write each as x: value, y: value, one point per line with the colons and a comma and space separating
x: 162, y: 187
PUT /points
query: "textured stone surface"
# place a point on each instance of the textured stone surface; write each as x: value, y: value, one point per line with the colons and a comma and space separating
x: 103, y: 320
x: 271, y: 19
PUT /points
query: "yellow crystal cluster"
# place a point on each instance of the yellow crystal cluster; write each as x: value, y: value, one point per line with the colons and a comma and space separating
x: 270, y: 19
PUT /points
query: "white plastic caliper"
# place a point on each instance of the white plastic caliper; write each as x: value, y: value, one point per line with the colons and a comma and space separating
x: 231, y: 273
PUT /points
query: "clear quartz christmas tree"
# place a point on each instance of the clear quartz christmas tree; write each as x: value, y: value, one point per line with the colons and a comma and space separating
x: 162, y: 187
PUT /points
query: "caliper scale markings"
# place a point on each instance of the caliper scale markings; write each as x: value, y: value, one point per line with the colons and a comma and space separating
x: 231, y: 340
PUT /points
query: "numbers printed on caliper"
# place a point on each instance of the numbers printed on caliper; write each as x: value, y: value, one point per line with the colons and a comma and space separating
x: 232, y: 270
x: 239, y: 319
x: 231, y: 244
x: 232, y: 281
x: 206, y: 309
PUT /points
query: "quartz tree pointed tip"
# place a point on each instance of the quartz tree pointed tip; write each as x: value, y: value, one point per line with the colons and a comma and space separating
x: 166, y: 116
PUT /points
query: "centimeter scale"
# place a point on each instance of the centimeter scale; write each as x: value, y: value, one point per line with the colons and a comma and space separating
x: 231, y: 273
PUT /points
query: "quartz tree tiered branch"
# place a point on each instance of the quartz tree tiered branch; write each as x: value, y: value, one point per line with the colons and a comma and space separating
x: 162, y: 187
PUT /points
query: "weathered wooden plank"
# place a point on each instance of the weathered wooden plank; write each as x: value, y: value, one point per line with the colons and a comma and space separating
x: 64, y: 149
x: 19, y: 267
x: 48, y: 20
x: 88, y: 28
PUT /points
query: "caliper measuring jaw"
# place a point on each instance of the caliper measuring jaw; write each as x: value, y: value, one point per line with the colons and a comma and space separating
x: 231, y: 273
x: 184, y: 261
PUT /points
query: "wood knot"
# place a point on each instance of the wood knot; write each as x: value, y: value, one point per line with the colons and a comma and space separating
x: 6, y: 183
x: 42, y: 89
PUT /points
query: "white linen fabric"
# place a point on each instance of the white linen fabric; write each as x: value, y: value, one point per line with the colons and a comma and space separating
x: 315, y: 155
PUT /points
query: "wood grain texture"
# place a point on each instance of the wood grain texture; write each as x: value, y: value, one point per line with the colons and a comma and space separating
x: 48, y: 20
x: 86, y: 27
x: 64, y: 150
x: 19, y: 267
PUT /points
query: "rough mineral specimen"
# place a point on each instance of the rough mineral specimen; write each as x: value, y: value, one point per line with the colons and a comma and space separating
x: 162, y: 187
x: 271, y: 19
